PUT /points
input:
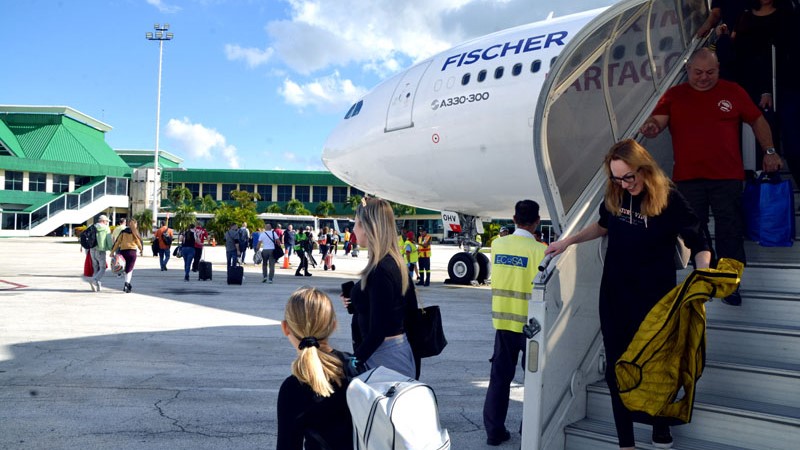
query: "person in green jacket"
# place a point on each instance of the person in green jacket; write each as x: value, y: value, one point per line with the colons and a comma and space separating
x: 98, y: 253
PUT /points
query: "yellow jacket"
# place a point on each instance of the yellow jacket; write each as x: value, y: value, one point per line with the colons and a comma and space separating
x: 127, y: 241
x: 668, y: 351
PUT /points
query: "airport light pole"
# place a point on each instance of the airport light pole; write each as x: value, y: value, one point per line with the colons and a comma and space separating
x: 160, y: 35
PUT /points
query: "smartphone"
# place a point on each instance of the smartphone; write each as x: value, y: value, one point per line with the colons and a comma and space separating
x: 346, y: 288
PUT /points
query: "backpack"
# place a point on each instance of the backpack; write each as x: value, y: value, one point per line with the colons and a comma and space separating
x: 167, y: 238
x: 89, y: 237
x: 188, y: 238
x: 394, y: 412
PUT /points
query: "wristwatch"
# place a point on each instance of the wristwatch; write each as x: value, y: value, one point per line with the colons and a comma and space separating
x: 770, y: 151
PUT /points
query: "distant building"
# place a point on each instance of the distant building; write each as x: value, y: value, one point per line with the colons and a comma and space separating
x: 56, y: 170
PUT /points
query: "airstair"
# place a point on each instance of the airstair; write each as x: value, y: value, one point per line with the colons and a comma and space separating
x: 68, y: 208
x: 749, y: 394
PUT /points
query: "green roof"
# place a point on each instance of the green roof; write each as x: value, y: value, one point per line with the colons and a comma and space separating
x: 144, y: 158
x: 287, y: 177
x: 57, y: 140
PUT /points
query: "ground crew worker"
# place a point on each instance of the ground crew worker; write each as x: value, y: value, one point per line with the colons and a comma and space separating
x: 424, y: 241
x: 515, y: 261
x: 300, y: 247
x: 411, y: 254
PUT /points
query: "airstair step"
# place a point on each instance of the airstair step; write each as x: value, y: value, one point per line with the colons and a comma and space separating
x: 721, y: 420
x: 779, y: 308
x: 751, y: 380
x: 730, y: 340
x: 589, y: 434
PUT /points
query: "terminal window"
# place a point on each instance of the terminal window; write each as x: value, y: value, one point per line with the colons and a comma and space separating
x: 339, y: 194
x: 60, y: 183
x: 302, y: 193
x: 227, y: 188
x: 320, y: 193
x: 194, y: 188
x: 265, y: 191
x: 37, y: 182
x: 13, y: 180
x: 210, y: 189
x: 284, y: 193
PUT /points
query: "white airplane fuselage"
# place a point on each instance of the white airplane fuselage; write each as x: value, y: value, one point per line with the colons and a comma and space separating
x: 455, y: 132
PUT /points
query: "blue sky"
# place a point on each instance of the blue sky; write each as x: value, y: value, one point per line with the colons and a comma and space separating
x: 252, y: 84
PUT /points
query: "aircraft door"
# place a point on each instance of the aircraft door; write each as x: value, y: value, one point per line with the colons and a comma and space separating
x: 399, y: 115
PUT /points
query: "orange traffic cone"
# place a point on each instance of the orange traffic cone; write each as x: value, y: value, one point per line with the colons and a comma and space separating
x: 285, y: 262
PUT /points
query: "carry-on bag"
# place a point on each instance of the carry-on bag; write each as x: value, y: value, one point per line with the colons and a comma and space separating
x: 235, y: 274
x: 204, y: 270
x: 394, y: 412
x: 768, y: 203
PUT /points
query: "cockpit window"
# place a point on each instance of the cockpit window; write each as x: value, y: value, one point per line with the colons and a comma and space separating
x: 354, y: 110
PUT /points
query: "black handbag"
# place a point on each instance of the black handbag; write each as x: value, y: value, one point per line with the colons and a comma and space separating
x: 277, y: 252
x: 425, y: 332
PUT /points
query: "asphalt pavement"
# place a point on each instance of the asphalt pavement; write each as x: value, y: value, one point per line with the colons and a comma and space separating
x: 192, y: 365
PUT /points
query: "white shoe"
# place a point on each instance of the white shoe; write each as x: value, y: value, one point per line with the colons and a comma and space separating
x: 98, y: 285
x: 94, y: 289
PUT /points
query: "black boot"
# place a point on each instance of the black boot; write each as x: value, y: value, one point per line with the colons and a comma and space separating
x: 298, y: 274
x: 127, y: 288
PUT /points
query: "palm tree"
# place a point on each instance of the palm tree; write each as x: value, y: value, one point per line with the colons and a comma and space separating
x: 207, y: 204
x: 353, y: 201
x: 179, y: 196
x: 184, y: 216
x: 297, y: 207
x: 325, y: 208
x: 145, y: 220
x: 274, y: 209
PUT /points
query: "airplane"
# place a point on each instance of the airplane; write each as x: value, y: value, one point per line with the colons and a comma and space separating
x: 408, y: 139
x: 530, y: 112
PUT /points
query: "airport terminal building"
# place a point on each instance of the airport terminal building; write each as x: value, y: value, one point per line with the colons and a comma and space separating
x: 57, y: 171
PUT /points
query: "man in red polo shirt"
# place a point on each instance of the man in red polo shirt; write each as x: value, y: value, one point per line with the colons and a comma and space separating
x: 704, y: 116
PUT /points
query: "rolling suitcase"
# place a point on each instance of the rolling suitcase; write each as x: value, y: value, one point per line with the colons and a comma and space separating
x: 235, y: 274
x: 204, y: 269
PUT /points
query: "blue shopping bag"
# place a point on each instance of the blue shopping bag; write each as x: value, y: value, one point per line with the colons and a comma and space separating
x: 768, y: 204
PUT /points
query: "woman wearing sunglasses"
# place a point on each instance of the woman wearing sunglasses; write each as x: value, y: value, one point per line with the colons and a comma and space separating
x: 642, y: 214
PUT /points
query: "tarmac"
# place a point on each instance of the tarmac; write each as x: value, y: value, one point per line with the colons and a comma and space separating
x: 197, y: 365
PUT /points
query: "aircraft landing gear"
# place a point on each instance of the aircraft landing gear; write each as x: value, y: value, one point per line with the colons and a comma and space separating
x: 462, y: 269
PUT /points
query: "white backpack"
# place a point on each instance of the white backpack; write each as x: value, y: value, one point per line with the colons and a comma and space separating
x: 394, y: 412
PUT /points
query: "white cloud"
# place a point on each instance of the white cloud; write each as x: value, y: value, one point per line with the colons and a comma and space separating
x: 254, y: 57
x: 163, y: 7
x: 329, y: 93
x: 201, y: 142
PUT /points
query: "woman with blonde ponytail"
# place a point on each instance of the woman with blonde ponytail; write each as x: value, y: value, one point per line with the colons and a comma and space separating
x: 312, y: 407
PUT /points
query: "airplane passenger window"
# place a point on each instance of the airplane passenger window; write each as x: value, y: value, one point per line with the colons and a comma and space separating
x: 451, y: 82
x: 553, y: 61
x: 665, y: 44
x: 465, y: 79
x: 641, y: 49
x: 619, y: 52
x: 481, y: 76
x: 498, y: 73
x: 536, y: 66
x: 517, y: 69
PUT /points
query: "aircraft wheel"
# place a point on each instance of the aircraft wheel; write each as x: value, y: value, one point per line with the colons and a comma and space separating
x: 484, y: 267
x: 462, y: 268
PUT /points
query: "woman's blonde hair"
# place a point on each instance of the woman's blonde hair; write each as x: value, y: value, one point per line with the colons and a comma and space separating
x: 310, y: 317
x: 655, y: 184
x: 134, y: 226
x: 377, y: 220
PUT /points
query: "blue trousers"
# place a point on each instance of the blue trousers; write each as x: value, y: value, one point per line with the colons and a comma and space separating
x: 163, y: 257
x: 507, y: 348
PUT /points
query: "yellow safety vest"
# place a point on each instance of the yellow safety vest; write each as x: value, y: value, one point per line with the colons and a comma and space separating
x: 414, y: 253
x: 515, y: 262
x: 423, y: 251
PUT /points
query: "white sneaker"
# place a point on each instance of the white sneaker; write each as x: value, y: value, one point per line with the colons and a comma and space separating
x: 98, y: 285
x: 94, y: 289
